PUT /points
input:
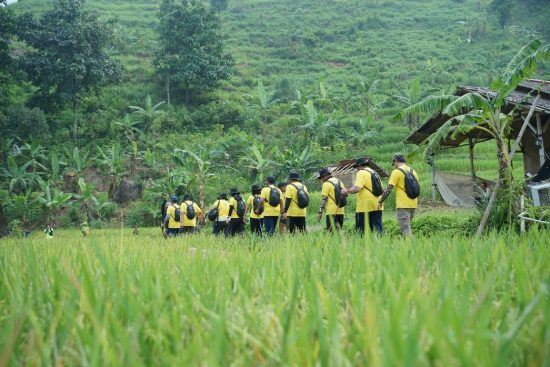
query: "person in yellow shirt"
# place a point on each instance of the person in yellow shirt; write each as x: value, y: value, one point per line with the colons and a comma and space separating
x: 367, y: 200
x: 237, y: 208
x: 330, y: 202
x: 256, y: 211
x: 404, y: 204
x: 221, y: 224
x: 189, y: 225
x: 295, y: 214
x: 171, y: 222
x: 271, y: 198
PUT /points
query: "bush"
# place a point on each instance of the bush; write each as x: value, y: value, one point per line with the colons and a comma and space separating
x: 24, y: 123
x: 430, y: 224
x: 142, y: 214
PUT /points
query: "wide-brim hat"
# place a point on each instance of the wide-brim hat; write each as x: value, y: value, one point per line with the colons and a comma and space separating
x: 323, y: 172
x: 294, y: 176
x: 361, y: 162
x: 234, y: 191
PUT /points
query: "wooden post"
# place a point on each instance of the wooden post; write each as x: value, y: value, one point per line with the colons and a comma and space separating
x: 540, y: 140
x: 472, y: 166
x: 521, y: 208
x: 499, y: 182
x: 432, y: 163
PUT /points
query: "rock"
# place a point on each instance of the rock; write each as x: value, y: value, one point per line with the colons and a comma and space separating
x: 126, y: 191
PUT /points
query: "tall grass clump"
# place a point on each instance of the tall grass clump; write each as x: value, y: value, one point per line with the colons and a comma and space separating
x: 118, y: 299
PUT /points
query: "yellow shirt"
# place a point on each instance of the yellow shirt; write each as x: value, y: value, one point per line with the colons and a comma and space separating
x: 397, y: 179
x: 292, y: 193
x: 223, y: 209
x: 250, y: 204
x: 271, y: 211
x: 366, y: 201
x: 171, y: 211
x: 233, y: 203
x: 328, y: 190
x: 186, y: 222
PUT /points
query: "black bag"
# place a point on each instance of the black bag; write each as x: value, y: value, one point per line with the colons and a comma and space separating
x: 376, y: 183
x: 339, y: 199
x: 303, y: 197
x: 190, y: 211
x: 177, y: 215
x: 412, y: 188
x: 213, y: 213
x: 240, y: 206
x: 274, y: 197
x: 258, y: 209
x: 163, y: 207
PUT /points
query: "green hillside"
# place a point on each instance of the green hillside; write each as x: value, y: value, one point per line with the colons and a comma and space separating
x: 350, y: 58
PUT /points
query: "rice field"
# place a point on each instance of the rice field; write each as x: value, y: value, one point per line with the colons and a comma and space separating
x: 114, y: 298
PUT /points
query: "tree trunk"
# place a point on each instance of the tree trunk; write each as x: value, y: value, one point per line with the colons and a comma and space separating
x: 168, y: 90
x: 75, y: 119
x: 202, y: 194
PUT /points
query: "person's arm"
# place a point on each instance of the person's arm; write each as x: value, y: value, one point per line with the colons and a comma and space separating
x: 384, y: 195
x: 324, y: 200
x: 351, y: 190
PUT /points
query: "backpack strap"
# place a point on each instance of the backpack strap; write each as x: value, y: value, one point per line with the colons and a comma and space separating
x: 370, y: 172
x: 333, y: 184
x: 297, y: 189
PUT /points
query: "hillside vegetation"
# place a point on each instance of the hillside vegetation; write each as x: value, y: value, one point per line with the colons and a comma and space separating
x: 313, y: 83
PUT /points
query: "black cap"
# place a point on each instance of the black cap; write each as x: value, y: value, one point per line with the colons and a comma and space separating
x: 270, y: 179
x: 234, y: 191
x: 256, y: 187
x: 323, y: 172
x: 294, y: 176
x: 400, y: 158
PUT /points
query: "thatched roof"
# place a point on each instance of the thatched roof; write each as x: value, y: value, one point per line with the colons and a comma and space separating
x: 346, y: 167
x: 521, y: 98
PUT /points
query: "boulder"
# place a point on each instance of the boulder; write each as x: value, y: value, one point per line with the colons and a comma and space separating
x: 126, y: 191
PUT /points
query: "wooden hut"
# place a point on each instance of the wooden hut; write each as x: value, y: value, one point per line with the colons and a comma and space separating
x: 345, y: 172
x: 535, y: 142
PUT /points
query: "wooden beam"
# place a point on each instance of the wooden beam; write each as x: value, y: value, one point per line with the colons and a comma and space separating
x: 540, y: 140
x: 472, y: 166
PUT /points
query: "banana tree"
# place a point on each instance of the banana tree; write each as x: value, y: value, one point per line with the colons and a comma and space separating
x: 473, y: 111
x: 257, y: 164
x: 35, y: 153
x: 410, y: 96
x: 111, y: 163
x: 18, y: 176
x: 77, y: 161
x: 148, y: 112
x: 199, y: 164
x: 52, y: 199
x: 86, y: 197
x: 295, y: 160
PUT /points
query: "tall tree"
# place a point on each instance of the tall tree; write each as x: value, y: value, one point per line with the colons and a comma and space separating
x: 70, y: 56
x: 7, y: 31
x: 191, y: 52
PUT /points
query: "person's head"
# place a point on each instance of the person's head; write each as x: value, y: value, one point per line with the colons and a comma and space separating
x: 282, y: 186
x: 234, y: 191
x: 222, y: 196
x: 324, y: 174
x: 361, y: 162
x: 174, y: 199
x: 483, y: 185
x: 270, y: 180
x: 293, y: 177
x: 398, y: 159
x: 256, y: 189
x: 187, y: 197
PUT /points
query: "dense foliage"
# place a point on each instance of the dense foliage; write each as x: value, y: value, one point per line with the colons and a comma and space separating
x: 310, y: 84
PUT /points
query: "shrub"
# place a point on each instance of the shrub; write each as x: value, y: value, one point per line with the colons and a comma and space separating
x: 142, y: 214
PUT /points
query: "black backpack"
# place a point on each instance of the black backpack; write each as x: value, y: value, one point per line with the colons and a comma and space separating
x: 213, y: 213
x: 274, y: 196
x: 303, y: 197
x: 240, y: 206
x: 258, y: 209
x: 190, y: 211
x: 177, y: 215
x: 339, y: 199
x: 412, y: 188
x: 376, y: 183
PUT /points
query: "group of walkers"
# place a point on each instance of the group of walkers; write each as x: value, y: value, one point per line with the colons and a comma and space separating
x: 287, y: 203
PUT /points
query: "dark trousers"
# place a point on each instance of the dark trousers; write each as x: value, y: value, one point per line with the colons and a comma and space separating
x: 236, y: 226
x: 375, y: 222
x: 256, y: 226
x: 336, y: 219
x: 173, y: 232
x: 221, y: 227
x: 187, y: 230
x: 296, y: 223
x: 270, y: 224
